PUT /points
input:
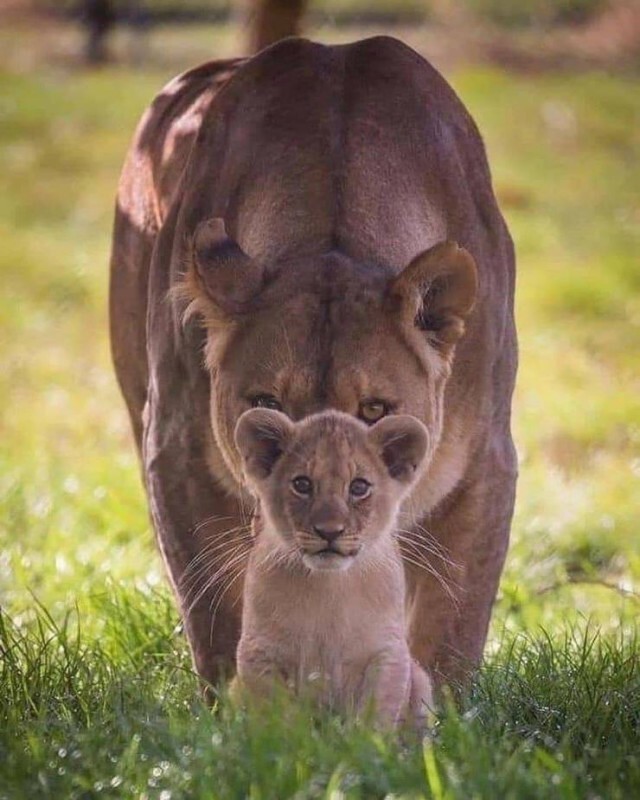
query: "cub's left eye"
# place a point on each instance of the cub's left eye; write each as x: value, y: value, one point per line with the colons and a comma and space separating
x: 359, y: 488
x: 302, y: 485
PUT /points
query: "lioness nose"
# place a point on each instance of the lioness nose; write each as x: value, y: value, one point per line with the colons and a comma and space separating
x: 329, y: 532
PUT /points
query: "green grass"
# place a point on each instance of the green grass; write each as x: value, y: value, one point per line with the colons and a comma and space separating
x: 116, y: 716
x: 96, y: 693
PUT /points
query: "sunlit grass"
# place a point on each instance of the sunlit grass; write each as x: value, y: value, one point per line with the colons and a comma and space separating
x: 116, y: 716
x: 564, y: 156
x: 74, y: 533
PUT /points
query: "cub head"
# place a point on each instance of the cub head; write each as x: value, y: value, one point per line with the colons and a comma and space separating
x: 329, y: 486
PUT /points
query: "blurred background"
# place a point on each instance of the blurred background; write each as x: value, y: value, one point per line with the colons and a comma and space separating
x: 553, y: 86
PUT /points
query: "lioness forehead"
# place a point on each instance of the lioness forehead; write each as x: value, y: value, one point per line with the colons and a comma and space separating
x: 322, y: 339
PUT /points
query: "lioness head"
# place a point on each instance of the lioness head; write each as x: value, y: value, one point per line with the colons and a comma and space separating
x: 329, y: 486
x: 324, y: 331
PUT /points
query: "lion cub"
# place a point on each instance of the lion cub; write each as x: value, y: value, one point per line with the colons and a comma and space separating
x: 325, y: 588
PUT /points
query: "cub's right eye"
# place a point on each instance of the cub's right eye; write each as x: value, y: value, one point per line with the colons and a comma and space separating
x: 302, y: 485
x: 266, y: 401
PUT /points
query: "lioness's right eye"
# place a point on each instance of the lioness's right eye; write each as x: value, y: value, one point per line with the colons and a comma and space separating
x: 266, y: 401
x: 302, y: 485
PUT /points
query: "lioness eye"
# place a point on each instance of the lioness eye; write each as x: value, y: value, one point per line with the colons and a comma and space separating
x: 373, y: 410
x: 359, y: 488
x: 266, y: 401
x: 302, y: 485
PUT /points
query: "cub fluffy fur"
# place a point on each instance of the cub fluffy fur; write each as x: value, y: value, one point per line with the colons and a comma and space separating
x: 324, y: 605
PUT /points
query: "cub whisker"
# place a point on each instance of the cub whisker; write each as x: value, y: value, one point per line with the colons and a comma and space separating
x: 207, y: 521
x: 439, y: 547
x: 430, y: 545
x: 238, y: 555
x: 414, y: 556
x: 207, y: 558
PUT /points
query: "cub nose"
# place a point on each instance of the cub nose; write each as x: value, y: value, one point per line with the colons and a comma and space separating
x: 329, y: 532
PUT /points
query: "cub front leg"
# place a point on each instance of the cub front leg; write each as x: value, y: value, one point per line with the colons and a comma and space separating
x: 389, y: 685
x: 420, y: 697
x: 259, y: 675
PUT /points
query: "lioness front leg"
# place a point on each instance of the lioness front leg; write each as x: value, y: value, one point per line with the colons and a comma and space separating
x: 200, y: 528
x: 449, y: 614
x: 204, y: 545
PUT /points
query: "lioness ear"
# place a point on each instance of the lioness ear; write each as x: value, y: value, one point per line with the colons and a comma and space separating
x: 227, y: 276
x: 261, y: 437
x: 438, y: 291
x: 402, y: 442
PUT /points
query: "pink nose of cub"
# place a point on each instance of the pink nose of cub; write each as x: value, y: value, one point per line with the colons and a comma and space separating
x: 328, y: 532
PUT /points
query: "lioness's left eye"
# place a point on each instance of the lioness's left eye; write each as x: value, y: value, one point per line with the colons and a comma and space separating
x: 359, y: 488
x: 371, y: 411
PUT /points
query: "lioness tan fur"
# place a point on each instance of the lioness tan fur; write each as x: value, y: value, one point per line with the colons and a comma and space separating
x: 324, y: 602
x: 330, y: 212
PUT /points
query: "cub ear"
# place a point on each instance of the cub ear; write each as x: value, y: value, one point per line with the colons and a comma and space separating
x: 261, y: 437
x: 438, y: 291
x: 402, y: 442
x: 222, y: 273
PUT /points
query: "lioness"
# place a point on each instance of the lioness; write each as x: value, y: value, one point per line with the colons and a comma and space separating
x: 312, y: 196
x: 324, y: 598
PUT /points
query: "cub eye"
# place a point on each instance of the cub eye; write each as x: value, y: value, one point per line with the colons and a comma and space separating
x: 302, y: 485
x: 266, y: 401
x: 360, y: 488
x: 372, y: 411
